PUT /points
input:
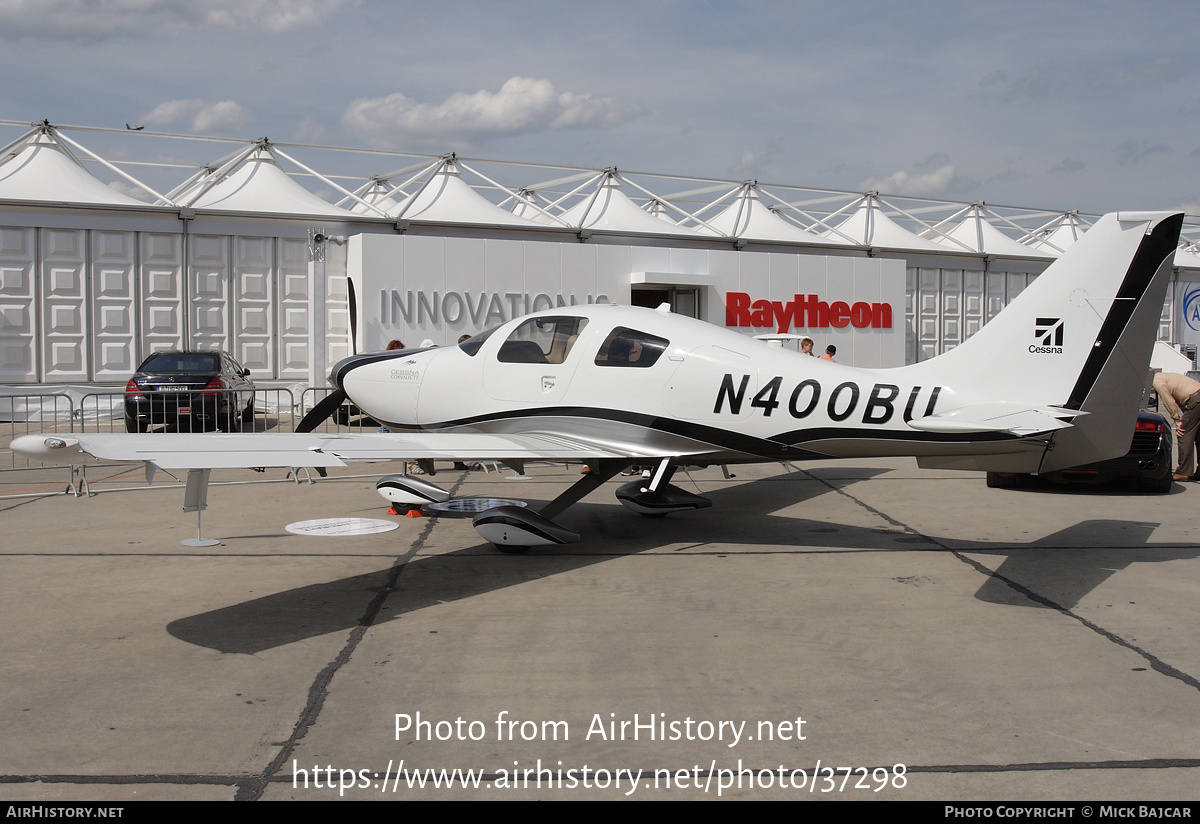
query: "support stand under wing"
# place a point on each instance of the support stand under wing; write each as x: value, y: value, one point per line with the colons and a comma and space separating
x: 195, y: 499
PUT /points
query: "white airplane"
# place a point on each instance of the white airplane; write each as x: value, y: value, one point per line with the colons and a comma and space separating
x: 1054, y: 381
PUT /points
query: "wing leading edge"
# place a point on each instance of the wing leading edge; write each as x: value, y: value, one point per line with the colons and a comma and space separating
x: 285, y: 449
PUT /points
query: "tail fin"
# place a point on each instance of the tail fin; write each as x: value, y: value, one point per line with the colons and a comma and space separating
x: 1079, y: 337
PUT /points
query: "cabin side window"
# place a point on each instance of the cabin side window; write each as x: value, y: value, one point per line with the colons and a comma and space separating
x: 542, y: 340
x: 631, y: 348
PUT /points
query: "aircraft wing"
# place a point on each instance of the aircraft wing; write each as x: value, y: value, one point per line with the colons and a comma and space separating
x: 287, y: 449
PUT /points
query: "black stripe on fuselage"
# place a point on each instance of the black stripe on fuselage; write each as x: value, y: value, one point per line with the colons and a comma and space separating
x: 346, y: 365
x: 784, y: 445
x: 1151, y: 252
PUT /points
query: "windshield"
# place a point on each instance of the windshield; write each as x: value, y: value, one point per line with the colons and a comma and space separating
x: 471, y: 345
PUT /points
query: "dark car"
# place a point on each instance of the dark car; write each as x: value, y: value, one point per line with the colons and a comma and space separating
x: 1147, y: 464
x: 189, y: 390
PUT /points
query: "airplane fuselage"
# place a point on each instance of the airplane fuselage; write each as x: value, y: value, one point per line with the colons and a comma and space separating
x: 707, y: 390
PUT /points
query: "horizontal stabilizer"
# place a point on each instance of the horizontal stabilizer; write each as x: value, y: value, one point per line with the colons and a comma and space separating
x: 1019, y: 419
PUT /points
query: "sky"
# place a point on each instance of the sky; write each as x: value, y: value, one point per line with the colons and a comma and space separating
x: 1058, y: 104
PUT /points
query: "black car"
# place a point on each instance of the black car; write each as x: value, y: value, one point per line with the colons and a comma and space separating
x: 189, y: 390
x: 1147, y: 464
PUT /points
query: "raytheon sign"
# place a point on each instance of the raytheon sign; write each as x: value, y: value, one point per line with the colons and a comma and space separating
x: 804, y: 312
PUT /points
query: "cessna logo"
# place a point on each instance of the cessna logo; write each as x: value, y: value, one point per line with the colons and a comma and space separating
x: 1048, y: 332
x: 804, y: 311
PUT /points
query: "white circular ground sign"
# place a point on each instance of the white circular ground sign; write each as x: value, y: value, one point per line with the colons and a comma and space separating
x: 339, y: 527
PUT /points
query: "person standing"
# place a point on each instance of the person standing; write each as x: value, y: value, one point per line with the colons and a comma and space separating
x: 1180, y: 395
x: 830, y: 351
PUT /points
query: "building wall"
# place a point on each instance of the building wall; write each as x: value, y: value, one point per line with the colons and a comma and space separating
x: 438, y: 288
x: 85, y: 294
x: 85, y: 304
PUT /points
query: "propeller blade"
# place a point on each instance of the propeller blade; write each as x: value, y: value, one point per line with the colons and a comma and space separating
x: 353, y: 306
x: 317, y: 415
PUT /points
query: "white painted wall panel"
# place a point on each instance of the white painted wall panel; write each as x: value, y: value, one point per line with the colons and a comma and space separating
x: 952, y: 309
x: 18, y: 314
x: 293, y: 307
x: 337, y: 313
x: 114, y: 351
x: 543, y: 276
x: 254, y: 302
x: 929, y: 321
x: 162, y: 310
x: 911, y: 334
x: 994, y: 298
x: 208, y: 291
x: 973, y: 301
x: 64, y: 304
x: 1167, y: 318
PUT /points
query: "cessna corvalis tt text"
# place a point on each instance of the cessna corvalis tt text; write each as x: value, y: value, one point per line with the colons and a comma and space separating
x: 1053, y: 381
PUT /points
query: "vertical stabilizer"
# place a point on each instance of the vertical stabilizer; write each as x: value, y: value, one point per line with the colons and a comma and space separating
x: 1079, y: 337
x: 1111, y: 384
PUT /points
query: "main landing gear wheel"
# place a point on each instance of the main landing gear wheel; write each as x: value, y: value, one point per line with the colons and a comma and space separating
x: 509, y: 549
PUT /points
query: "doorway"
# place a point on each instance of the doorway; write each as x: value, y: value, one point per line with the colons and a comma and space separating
x: 683, y: 300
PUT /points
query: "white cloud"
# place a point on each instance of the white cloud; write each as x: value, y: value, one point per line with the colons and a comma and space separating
x: 926, y: 184
x: 90, y: 20
x: 752, y: 162
x: 1163, y: 70
x: 1133, y: 151
x: 523, y: 104
x: 222, y: 116
x: 275, y: 15
x: 1067, y: 166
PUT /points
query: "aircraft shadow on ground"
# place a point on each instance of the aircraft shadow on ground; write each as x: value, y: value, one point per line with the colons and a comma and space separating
x: 1066, y: 566
x: 1063, y: 567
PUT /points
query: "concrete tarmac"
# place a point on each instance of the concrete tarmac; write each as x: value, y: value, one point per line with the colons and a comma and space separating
x: 852, y: 630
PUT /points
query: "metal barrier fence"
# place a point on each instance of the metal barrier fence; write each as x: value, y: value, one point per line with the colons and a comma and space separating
x: 190, y: 411
x: 52, y: 413
x: 270, y: 410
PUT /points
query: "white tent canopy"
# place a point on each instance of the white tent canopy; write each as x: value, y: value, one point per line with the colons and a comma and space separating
x: 1057, y: 241
x: 446, y: 198
x: 610, y: 208
x: 257, y: 184
x: 975, y: 234
x: 869, y: 226
x: 1187, y: 257
x: 747, y: 216
x: 43, y: 170
x: 378, y: 196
